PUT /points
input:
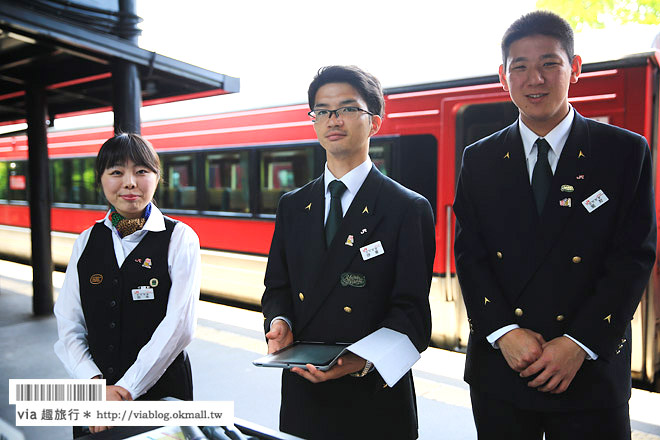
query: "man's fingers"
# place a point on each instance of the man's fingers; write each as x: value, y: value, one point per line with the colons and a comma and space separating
x: 533, y: 368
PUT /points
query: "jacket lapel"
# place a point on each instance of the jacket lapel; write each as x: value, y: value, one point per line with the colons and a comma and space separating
x: 357, y: 226
x: 309, y: 227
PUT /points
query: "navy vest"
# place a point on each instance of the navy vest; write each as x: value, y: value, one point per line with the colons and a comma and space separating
x: 119, y: 326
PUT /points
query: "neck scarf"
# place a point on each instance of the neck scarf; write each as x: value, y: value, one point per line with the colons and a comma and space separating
x: 127, y: 226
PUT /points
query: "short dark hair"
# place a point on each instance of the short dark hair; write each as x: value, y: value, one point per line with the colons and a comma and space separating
x: 365, y: 83
x: 539, y: 23
x: 124, y: 146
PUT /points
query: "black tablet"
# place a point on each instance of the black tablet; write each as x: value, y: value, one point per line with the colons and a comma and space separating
x: 322, y: 355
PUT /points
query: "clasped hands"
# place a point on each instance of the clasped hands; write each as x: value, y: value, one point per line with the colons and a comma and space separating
x: 556, y: 361
x: 280, y: 336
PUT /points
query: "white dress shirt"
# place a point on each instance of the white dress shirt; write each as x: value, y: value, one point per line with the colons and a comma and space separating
x: 353, y: 181
x: 556, y: 138
x: 173, y: 333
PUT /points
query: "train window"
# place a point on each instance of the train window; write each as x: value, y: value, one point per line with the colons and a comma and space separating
x: 178, y: 190
x: 283, y: 170
x: 66, y: 175
x: 4, y: 180
x: 414, y: 164
x: 227, y: 181
x: 18, y: 184
x: 92, y: 193
x: 476, y: 121
x: 380, y: 153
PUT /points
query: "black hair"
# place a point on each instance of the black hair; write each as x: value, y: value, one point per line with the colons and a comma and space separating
x: 123, y: 147
x: 365, y: 83
x: 539, y: 23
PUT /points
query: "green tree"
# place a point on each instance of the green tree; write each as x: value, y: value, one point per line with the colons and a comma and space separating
x: 597, y: 13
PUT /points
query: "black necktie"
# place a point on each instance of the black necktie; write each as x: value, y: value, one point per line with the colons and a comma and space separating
x: 542, y: 174
x: 335, y: 216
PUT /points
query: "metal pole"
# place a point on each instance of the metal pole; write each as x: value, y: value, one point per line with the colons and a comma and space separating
x: 42, y: 262
x: 127, y: 90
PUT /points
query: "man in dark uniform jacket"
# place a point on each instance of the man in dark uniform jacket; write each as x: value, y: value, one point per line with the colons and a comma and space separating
x: 335, y: 279
x: 555, y: 241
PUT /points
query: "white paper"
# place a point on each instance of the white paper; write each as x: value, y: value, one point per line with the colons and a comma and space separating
x: 391, y: 352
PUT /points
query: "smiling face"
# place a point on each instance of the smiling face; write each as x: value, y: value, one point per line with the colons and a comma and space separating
x: 345, y: 140
x: 129, y: 188
x: 538, y: 74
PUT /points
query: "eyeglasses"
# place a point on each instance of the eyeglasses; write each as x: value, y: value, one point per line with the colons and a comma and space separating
x: 346, y: 113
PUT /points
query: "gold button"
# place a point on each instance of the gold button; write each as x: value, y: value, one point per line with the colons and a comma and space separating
x: 577, y: 259
x: 301, y: 296
x: 518, y: 312
x: 499, y: 255
x: 560, y: 318
x: 347, y: 309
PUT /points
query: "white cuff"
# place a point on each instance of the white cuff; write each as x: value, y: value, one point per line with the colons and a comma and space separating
x: 497, y: 334
x: 283, y: 319
x: 591, y: 356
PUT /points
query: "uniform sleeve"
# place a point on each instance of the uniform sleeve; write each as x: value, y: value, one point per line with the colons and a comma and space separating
x: 71, y: 346
x: 487, y: 308
x: 602, y: 320
x: 176, y: 329
x: 409, y: 311
x: 276, y: 300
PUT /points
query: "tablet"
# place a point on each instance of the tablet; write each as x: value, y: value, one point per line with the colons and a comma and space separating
x: 322, y: 355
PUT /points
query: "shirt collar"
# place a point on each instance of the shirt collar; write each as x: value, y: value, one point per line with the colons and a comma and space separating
x: 353, y: 179
x: 155, y: 222
x: 556, y: 138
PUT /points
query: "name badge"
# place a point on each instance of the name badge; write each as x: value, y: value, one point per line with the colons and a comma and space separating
x: 372, y: 250
x: 142, y: 293
x: 595, y: 201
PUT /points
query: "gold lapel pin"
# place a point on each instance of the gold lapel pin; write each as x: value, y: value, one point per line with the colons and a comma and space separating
x: 365, y: 210
x: 308, y: 207
x: 506, y: 156
x: 608, y: 318
x: 581, y: 154
x: 486, y: 300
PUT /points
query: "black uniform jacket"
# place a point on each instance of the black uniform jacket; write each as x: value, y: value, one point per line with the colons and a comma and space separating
x: 303, y: 283
x: 566, y: 272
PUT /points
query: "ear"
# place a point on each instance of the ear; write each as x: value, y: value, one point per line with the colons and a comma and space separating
x: 503, y: 78
x: 376, y: 122
x: 576, y: 68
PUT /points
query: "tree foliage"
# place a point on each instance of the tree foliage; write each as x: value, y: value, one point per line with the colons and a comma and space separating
x: 598, y: 13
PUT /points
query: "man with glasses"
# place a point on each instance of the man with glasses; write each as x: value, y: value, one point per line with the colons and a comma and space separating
x: 352, y: 252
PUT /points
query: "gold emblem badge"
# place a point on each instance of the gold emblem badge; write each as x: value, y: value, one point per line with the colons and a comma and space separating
x: 97, y: 278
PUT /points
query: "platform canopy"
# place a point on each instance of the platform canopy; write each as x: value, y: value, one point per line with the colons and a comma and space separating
x: 74, y: 64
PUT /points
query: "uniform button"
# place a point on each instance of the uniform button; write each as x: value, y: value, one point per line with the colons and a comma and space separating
x: 347, y: 309
x: 111, y: 347
x: 113, y: 325
x: 301, y: 296
x: 113, y: 303
x: 577, y: 259
x: 115, y: 282
x: 618, y: 351
x: 111, y: 370
x: 499, y: 255
x: 518, y: 312
x: 560, y: 318
x: 623, y: 340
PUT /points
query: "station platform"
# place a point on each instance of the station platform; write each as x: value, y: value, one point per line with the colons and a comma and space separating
x: 226, y: 341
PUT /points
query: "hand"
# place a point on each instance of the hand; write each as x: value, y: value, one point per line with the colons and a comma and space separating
x: 113, y: 392
x: 521, y: 347
x: 559, y: 363
x: 347, y: 364
x: 279, y: 336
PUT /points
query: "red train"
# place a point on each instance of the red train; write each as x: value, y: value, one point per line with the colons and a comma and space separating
x: 223, y: 175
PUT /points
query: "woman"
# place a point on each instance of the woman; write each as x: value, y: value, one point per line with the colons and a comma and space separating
x: 126, y: 310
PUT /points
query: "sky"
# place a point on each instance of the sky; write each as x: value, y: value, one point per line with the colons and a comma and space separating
x: 276, y: 47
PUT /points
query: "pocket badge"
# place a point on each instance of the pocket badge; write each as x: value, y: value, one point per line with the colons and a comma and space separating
x: 350, y: 279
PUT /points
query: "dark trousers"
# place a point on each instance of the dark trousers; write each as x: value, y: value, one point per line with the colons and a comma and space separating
x: 497, y: 419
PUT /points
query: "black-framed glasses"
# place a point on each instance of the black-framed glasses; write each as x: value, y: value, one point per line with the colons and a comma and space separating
x: 346, y: 113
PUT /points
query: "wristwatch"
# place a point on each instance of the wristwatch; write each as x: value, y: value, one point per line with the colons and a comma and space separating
x: 367, y: 367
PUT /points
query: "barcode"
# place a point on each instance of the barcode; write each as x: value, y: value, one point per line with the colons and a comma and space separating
x: 59, y: 392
